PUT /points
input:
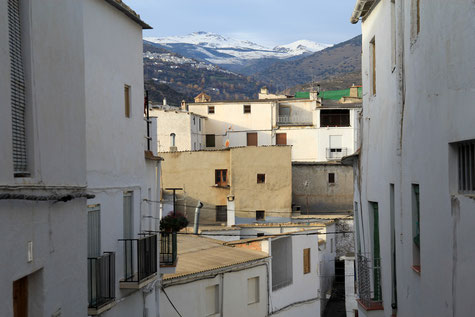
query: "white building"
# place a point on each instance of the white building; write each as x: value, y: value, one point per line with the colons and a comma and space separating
x: 318, y: 131
x: 122, y: 246
x: 178, y: 130
x: 42, y: 159
x: 414, y: 180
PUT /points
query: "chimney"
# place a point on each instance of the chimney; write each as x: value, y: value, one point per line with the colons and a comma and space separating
x: 183, y: 105
x: 164, y: 101
x: 264, y: 90
x: 354, y: 91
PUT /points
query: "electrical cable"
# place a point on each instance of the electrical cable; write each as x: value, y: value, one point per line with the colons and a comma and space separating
x: 254, y: 235
x: 163, y: 290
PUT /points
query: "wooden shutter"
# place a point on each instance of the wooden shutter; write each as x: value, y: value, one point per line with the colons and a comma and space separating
x: 93, y: 231
x: 252, y: 139
x: 281, y: 139
x: 306, y: 261
x: 18, y: 89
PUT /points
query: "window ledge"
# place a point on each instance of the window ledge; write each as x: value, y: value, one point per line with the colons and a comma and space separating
x: 138, y: 285
x: 217, y: 186
x: 101, y: 309
x: 416, y: 268
x: 372, y: 305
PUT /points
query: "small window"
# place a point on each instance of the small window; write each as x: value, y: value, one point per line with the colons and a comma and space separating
x: 252, y: 139
x: 260, y: 215
x: 221, y: 213
x: 212, y: 300
x: 331, y: 178
x: 210, y: 140
x: 247, y: 108
x: 306, y: 261
x: 221, y: 177
x: 466, y: 167
x: 261, y: 178
x: 127, y: 100
x: 253, y: 290
x: 172, y: 139
x: 281, y: 138
x: 210, y: 109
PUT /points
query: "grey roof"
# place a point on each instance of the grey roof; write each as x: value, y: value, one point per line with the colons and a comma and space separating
x: 121, y: 6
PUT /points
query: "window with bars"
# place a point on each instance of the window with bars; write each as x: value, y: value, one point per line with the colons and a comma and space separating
x: 18, y: 89
x: 466, y: 167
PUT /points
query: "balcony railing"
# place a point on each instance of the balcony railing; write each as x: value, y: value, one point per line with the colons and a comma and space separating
x: 336, y: 153
x: 101, y: 280
x: 140, y: 253
x: 369, y: 282
x: 168, y: 248
x: 295, y: 120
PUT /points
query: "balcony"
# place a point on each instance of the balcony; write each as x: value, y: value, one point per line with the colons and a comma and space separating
x: 369, y: 283
x: 168, y: 252
x: 141, y: 254
x: 336, y: 153
x: 301, y: 120
x: 101, y: 283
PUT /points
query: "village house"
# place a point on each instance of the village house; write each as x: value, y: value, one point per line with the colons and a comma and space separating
x: 242, y: 182
x: 75, y: 206
x: 414, y: 180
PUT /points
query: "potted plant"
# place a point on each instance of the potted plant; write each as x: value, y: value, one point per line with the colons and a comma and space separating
x: 173, y: 222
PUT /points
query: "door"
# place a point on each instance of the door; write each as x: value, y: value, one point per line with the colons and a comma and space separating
x: 20, y: 297
x: 281, y: 138
x: 252, y: 139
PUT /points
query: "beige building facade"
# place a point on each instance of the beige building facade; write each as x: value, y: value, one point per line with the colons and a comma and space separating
x: 247, y: 182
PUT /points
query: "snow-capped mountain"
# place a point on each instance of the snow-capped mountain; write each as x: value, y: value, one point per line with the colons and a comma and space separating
x: 230, y: 53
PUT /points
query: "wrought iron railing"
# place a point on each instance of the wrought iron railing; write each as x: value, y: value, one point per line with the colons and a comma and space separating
x: 295, y: 120
x: 336, y: 153
x: 142, y: 253
x: 168, y: 248
x: 101, y: 279
x: 369, y: 281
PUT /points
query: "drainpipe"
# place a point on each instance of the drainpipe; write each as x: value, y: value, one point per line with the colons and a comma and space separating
x: 197, y: 217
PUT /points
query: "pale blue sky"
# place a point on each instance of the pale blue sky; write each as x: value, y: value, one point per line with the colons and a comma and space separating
x: 267, y: 22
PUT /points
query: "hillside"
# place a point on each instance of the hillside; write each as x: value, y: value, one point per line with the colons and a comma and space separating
x: 187, y: 77
x: 333, y: 62
x: 337, y: 82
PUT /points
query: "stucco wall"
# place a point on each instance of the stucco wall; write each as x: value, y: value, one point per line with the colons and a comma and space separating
x: 55, y: 131
x: 419, y: 109
x: 314, y: 194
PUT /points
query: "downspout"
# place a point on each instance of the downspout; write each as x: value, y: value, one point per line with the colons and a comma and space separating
x: 196, y: 225
x: 222, y: 295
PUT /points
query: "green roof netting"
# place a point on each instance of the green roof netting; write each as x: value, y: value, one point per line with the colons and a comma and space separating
x: 330, y: 94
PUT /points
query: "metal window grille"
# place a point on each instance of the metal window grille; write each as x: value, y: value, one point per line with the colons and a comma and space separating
x: 466, y: 167
x: 94, y: 231
x: 18, y: 89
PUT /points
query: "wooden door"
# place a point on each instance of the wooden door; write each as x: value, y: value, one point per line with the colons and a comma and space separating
x: 20, y: 297
x: 281, y: 139
x: 252, y: 139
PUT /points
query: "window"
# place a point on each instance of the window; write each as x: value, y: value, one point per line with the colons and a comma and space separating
x: 93, y: 231
x: 247, y: 108
x: 335, y: 118
x: 127, y: 100
x: 252, y: 139
x: 281, y: 138
x: 331, y: 178
x: 212, y: 300
x: 416, y: 232
x: 374, y: 212
x: 210, y: 140
x: 128, y: 215
x: 306, y: 261
x: 210, y: 109
x: 260, y: 215
x: 281, y: 250
x: 221, y: 213
x: 357, y: 228
x: 336, y: 151
x: 172, y: 139
x: 253, y: 290
x: 466, y: 167
x: 372, y: 67
x: 18, y: 87
x: 221, y: 177
x: 261, y: 178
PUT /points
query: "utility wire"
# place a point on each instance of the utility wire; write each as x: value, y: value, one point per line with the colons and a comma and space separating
x: 163, y: 290
x: 255, y: 235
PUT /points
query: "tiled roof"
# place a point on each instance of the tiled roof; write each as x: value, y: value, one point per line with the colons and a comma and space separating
x: 199, y: 255
x: 121, y: 6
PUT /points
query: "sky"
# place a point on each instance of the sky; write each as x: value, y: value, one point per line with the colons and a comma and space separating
x: 266, y: 22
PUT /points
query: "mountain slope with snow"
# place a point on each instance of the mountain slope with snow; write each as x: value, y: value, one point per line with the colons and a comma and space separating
x: 229, y: 53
